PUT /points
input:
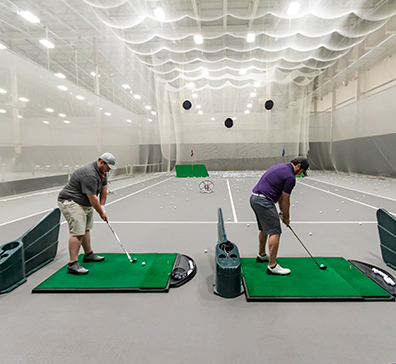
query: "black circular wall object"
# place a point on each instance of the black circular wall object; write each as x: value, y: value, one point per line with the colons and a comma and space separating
x: 187, y: 105
x: 228, y: 123
x: 269, y: 104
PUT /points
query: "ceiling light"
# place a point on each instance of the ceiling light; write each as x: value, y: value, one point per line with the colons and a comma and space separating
x: 29, y: 16
x: 60, y: 75
x: 47, y: 43
x: 62, y: 115
x: 148, y: 107
x: 126, y: 86
x: 63, y: 88
x: 247, y: 111
x: 19, y: 116
x: 66, y: 121
x: 2, y: 111
x: 242, y: 72
x: 159, y: 13
x: 80, y: 97
x: 2, y: 46
x: 198, y: 106
x: 200, y: 112
x: 129, y: 120
x: 212, y: 118
x: 257, y: 84
x: 250, y: 38
x: 205, y: 72
x: 294, y: 7
x: 49, y: 110
x: 191, y: 85
x: 23, y: 99
x: 46, y: 122
x: 108, y: 113
x: 137, y: 97
x: 93, y: 74
x: 150, y: 120
x: 249, y: 105
x: 253, y: 94
x: 2, y: 91
x: 198, y: 39
x: 153, y: 113
x: 194, y: 96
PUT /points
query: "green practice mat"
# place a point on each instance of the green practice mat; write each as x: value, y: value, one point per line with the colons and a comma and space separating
x: 341, y: 281
x: 115, y: 274
x: 191, y: 170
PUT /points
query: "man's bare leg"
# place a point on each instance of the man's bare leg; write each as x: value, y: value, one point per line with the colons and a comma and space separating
x: 273, y: 246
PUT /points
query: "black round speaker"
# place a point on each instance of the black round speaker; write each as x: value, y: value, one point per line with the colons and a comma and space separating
x: 269, y: 104
x: 187, y: 105
x: 228, y: 123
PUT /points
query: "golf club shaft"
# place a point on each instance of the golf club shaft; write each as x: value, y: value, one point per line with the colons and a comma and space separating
x: 119, y: 241
x: 304, y: 246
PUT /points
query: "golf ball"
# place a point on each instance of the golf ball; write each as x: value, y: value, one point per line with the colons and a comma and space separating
x: 248, y: 225
x: 321, y: 265
x: 310, y: 234
x: 206, y: 250
x: 143, y: 263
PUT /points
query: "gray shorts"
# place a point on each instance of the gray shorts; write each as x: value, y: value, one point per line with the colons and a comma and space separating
x: 78, y: 217
x: 266, y: 214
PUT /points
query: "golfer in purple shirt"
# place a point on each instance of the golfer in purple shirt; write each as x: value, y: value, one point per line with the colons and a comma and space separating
x: 275, y: 186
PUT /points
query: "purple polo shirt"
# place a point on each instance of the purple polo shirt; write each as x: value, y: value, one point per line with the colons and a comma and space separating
x: 279, y: 178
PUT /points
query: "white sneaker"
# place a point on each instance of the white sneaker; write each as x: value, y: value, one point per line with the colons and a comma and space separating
x: 278, y: 270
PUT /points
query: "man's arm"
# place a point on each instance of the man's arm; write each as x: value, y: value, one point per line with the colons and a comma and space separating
x: 103, y: 195
x: 284, y: 205
x: 93, y: 199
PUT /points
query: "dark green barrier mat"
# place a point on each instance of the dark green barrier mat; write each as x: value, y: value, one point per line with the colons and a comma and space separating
x: 191, y: 170
x: 341, y: 281
x: 115, y: 274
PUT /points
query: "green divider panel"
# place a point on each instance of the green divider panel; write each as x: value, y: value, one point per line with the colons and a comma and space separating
x: 191, y: 170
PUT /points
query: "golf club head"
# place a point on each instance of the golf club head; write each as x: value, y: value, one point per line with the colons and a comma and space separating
x: 134, y: 260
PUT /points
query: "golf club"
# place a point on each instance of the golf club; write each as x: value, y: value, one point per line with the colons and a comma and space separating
x: 322, y: 266
x: 134, y: 260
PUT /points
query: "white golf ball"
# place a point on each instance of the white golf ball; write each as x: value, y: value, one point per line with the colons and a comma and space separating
x: 206, y: 250
x: 248, y: 225
x: 143, y: 263
x: 310, y: 234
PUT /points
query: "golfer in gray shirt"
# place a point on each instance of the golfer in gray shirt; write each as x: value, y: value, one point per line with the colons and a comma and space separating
x: 85, y: 191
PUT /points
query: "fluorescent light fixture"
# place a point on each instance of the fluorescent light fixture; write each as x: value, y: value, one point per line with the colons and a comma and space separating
x: 29, y: 16
x: 191, y: 85
x: 49, y: 110
x: 126, y: 86
x: 150, y: 120
x: 153, y: 113
x: 2, y: 46
x: 148, y: 107
x: 2, y: 91
x: 242, y: 72
x: 247, y: 111
x: 200, y: 112
x: 46, y: 122
x: 93, y: 74
x: 257, y: 84
x: 137, y: 97
x: 250, y: 37
x: 253, y: 94
x: 63, y: 88
x: 249, y: 105
x: 198, y: 106
x: 108, y: 113
x: 66, y: 121
x: 212, y: 119
x: 60, y: 75
x: 19, y: 116
x: 129, y: 120
x: 159, y: 13
x: 2, y: 111
x: 23, y: 99
x: 293, y: 8
x: 62, y: 115
x: 100, y: 109
x: 198, y: 39
x: 205, y: 72
x: 47, y: 43
x: 80, y: 97
x: 194, y: 96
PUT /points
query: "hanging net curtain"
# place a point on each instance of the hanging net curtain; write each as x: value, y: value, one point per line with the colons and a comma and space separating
x: 198, y: 51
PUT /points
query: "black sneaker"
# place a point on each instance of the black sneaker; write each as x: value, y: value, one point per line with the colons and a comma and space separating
x: 76, y: 269
x: 260, y: 259
x: 92, y: 257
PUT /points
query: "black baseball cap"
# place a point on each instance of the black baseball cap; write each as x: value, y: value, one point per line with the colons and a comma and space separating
x: 304, y: 164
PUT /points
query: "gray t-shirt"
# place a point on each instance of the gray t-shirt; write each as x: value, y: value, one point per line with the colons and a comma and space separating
x: 85, y: 180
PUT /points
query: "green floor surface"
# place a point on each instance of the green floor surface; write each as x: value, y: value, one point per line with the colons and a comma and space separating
x: 340, y: 281
x: 115, y: 274
x: 191, y: 170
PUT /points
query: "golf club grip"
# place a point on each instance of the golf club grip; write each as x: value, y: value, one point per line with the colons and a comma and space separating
x: 119, y: 241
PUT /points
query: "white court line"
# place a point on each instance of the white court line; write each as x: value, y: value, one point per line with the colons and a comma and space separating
x: 25, y: 217
x: 352, y: 189
x: 232, y: 202
x: 232, y: 222
x: 134, y: 193
x: 132, y: 184
x: 343, y: 197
